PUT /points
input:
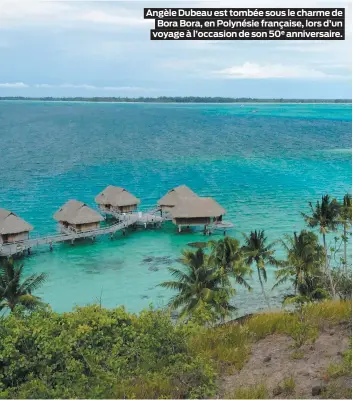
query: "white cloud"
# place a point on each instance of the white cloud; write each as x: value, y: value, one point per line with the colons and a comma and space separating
x: 304, y: 48
x: 120, y: 17
x: 71, y: 86
x: 107, y: 35
x: 43, y: 85
x: 129, y: 88
x: 271, y: 71
x: 79, y: 86
x: 14, y: 85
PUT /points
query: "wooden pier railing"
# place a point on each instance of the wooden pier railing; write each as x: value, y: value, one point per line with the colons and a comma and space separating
x: 8, y: 249
x: 123, y: 221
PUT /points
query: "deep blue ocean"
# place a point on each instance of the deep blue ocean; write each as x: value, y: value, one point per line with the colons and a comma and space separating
x: 262, y: 162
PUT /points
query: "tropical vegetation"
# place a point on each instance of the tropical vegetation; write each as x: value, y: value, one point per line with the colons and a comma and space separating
x: 258, y: 252
x: 201, y: 288
x: 93, y: 352
x: 15, y: 292
x: 303, y: 267
x: 345, y: 219
x: 325, y: 216
x: 311, y: 268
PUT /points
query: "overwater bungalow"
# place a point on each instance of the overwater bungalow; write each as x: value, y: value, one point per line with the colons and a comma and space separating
x: 77, y: 216
x: 13, y: 228
x: 174, y: 196
x: 115, y: 199
x: 196, y: 211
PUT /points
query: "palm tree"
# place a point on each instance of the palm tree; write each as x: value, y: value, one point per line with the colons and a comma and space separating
x: 304, y: 259
x: 325, y: 215
x: 199, y: 284
x: 258, y: 252
x: 346, y: 221
x: 228, y: 258
x: 309, y: 290
x: 13, y: 291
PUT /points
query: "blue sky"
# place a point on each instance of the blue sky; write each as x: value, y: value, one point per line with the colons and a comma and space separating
x: 102, y: 48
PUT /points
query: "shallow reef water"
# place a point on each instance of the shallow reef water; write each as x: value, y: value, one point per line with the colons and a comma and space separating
x: 262, y: 167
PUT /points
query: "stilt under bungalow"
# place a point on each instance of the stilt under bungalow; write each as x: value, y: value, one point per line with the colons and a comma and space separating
x: 197, y: 211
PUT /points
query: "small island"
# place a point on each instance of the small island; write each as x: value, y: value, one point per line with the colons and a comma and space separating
x: 173, y: 99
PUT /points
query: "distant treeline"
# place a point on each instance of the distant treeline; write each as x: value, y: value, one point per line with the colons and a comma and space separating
x: 190, y: 99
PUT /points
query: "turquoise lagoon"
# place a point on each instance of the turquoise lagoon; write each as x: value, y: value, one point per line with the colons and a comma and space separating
x: 262, y: 162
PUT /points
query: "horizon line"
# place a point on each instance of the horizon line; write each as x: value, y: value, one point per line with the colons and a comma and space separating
x: 172, y: 97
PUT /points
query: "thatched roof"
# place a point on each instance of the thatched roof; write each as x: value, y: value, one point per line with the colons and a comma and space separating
x: 175, y: 195
x: 197, y: 207
x: 76, y: 212
x: 11, y: 224
x: 116, y: 197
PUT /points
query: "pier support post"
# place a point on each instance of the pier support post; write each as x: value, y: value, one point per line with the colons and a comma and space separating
x: 51, y: 246
x: 124, y: 232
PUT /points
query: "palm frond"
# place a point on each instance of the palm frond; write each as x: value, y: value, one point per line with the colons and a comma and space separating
x: 12, y: 291
x: 280, y: 281
x: 173, y: 285
x: 32, y: 283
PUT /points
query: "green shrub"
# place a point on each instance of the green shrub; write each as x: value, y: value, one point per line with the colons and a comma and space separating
x: 99, y: 353
x: 251, y: 392
x: 288, y: 385
x: 343, y: 368
x: 302, y: 333
x: 297, y: 355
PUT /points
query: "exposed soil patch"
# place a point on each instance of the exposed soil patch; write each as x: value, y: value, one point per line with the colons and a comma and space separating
x: 274, y: 360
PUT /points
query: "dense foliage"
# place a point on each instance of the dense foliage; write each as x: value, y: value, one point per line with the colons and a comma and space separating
x: 94, y: 352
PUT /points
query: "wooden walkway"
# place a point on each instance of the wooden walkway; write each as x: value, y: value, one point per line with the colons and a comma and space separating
x: 125, y: 221
x: 145, y: 219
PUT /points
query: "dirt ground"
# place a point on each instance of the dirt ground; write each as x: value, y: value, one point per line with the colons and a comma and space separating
x: 274, y: 359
